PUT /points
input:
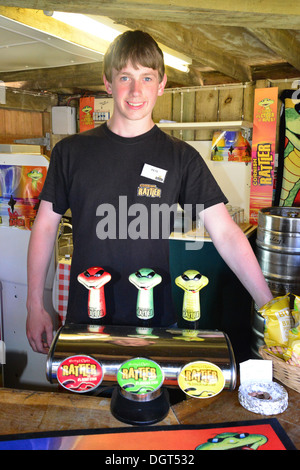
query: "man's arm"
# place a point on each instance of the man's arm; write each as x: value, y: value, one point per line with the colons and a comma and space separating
x: 235, y: 249
x: 39, y: 326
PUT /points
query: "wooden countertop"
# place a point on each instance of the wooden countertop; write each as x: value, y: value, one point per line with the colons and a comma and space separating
x: 23, y: 411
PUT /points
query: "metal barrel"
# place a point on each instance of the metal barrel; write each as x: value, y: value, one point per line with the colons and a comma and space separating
x: 171, y: 348
x: 278, y: 253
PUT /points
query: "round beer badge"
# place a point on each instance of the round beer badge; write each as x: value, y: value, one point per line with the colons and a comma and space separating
x: 201, y: 379
x: 140, y: 376
x: 79, y: 374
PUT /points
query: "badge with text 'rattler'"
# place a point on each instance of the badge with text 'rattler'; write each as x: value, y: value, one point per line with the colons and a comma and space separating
x: 201, y: 379
x: 140, y: 376
x: 80, y: 374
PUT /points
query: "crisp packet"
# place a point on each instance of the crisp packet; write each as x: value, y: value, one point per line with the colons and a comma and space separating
x: 296, y: 317
x: 278, y: 321
x: 297, y: 303
x: 292, y: 353
x: 296, y: 311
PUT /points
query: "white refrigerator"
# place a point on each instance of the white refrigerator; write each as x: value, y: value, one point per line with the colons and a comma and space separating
x: 21, y: 179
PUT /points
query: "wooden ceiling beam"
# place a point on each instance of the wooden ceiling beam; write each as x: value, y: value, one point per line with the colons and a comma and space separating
x: 255, y: 14
x: 282, y: 42
x: 192, y: 43
x: 85, y: 76
x: 56, y: 78
x: 37, y: 20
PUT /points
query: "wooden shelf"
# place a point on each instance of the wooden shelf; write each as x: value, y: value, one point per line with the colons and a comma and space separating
x: 226, y: 125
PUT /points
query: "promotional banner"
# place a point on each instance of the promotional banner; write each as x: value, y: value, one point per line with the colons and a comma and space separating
x: 20, y: 187
x: 263, y: 150
x: 86, y: 110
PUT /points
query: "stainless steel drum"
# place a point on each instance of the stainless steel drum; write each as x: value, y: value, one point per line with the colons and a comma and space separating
x: 278, y: 248
x: 172, y: 349
x: 278, y: 253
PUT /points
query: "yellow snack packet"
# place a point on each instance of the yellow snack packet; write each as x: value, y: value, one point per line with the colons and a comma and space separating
x: 296, y: 311
x: 297, y: 303
x: 278, y: 321
x: 292, y: 353
x: 296, y: 317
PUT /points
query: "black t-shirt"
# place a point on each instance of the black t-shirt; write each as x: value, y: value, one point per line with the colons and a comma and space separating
x: 98, y: 175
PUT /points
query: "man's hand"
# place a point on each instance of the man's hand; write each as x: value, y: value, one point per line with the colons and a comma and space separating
x: 39, y: 330
x: 39, y: 327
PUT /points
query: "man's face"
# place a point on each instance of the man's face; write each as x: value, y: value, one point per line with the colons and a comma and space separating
x: 135, y: 91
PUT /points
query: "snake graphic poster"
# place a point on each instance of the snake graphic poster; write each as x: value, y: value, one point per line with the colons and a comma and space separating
x: 288, y: 173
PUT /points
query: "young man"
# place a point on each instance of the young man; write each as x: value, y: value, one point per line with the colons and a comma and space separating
x: 101, y: 175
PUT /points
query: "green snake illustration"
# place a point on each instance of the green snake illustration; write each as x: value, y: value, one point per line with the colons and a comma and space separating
x: 145, y: 280
x: 35, y: 176
x: 191, y: 282
x: 291, y: 183
x: 234, y: 441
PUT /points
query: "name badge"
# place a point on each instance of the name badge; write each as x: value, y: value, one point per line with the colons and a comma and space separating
x: 154, y: 173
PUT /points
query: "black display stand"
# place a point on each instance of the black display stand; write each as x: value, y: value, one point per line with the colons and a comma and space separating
x: 132, y: 409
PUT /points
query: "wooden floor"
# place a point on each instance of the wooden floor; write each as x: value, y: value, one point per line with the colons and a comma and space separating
x: 24, y: 411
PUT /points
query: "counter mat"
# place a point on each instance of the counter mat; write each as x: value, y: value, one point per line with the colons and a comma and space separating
x: 265, y: 434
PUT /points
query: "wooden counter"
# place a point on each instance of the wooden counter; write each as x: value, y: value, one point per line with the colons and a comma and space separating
x: 24, y: 411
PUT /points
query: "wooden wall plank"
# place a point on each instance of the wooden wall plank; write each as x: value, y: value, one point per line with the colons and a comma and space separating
x: 207, y: 105
x: 231, y: 104
x: 177, y: 111
x: 188, y: 114
x: 17, y: 124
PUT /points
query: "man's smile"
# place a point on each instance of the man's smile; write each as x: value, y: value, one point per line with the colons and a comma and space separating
x: 135, y: 105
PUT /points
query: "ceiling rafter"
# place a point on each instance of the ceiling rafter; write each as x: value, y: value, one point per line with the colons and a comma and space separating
x: 282, y: 42
x: 230, y: 41
x: 194, y: 45
x: 257, y: 13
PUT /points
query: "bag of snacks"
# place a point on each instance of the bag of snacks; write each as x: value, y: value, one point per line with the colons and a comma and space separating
x: 296, y: 311
x: 292, y: 352
x: 297, y: 303
x: 278, y: 321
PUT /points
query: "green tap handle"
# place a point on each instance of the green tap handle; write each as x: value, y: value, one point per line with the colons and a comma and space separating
x: 145, y: 280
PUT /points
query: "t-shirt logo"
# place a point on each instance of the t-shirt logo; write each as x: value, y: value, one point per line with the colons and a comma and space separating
x: 148, y: 190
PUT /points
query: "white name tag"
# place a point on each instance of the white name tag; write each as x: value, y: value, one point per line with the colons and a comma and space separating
x: 154, y: 173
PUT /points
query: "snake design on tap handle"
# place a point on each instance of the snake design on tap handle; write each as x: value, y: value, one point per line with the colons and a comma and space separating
x: 145, y: 280
x: 191, y: 282
x: 94, y: 280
